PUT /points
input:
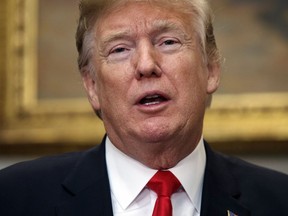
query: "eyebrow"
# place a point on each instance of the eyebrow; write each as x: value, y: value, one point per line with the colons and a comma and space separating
x: 158, y: 26
x: 166, y: 25
x: 115, y: 35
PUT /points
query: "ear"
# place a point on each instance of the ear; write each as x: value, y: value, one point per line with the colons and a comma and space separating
x: 90, y: 86
x: 214, y: 71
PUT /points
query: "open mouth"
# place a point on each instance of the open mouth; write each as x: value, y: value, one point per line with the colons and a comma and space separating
x: 153, y: 100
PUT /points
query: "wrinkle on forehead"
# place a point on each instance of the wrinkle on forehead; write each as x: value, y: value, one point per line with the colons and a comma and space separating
x: 157, y: 26
x: 164, y: 17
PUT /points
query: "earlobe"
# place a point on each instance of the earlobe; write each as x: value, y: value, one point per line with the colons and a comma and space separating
x: 214, y: 71
x: 91, y: 89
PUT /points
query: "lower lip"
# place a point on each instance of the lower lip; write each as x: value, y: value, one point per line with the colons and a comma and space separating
x: 153, y: 107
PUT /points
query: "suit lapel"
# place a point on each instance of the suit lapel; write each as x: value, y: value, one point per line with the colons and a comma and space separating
x: 220, y: 189
x: 86, y: 189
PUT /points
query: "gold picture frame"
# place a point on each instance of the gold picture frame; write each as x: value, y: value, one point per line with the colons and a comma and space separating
x: 244, y: 123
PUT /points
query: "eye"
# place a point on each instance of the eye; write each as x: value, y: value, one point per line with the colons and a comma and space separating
x: 169, y: 44
x: 118, y: 50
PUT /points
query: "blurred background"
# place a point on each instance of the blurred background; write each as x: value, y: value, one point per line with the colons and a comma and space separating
x: 43, y: 107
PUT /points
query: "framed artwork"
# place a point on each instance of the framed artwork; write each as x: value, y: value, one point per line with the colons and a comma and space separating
x: 44, y: 106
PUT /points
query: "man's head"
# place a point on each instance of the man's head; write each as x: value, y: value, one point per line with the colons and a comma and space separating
x: 150, y: 67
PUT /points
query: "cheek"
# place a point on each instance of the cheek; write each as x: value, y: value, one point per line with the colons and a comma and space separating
x: 113, y: 83
x: 189, y: 73
x: 190, y: 80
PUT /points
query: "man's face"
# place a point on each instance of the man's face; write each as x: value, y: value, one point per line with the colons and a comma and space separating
x: 151, y: 82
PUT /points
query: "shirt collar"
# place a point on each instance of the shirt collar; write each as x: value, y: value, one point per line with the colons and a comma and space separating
x: 126, y: 184
x: 190, y: 172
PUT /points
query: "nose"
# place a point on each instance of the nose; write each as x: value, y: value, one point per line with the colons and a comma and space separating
x: 146, y: 61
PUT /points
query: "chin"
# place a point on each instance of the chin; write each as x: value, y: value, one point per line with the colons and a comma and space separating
x: 155, y: 134
x: 154, y: 138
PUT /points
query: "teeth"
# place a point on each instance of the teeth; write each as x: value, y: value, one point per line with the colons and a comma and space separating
x: 152, y: 97
x: 151, y: 103
x: 152, y: 100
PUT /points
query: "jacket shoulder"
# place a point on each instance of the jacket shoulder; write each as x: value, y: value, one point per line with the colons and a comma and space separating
x: 38, y: 181
x: 39, y: 166
x: 262, y: 190
x: 240, y: 168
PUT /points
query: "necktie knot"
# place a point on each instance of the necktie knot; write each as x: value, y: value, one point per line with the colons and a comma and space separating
x: 164, y: 183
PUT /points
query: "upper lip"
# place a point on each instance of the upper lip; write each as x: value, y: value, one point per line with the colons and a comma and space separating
x: 152, y: 94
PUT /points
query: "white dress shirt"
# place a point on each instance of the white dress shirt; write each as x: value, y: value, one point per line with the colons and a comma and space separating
x: 128, y: 179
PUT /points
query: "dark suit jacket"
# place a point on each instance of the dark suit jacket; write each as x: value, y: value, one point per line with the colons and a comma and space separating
x: 76, y: 184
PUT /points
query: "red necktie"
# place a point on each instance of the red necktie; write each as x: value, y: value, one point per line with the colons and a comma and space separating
x: 164, y: 183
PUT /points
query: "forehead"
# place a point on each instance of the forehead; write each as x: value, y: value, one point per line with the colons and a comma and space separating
x: 142, y: 15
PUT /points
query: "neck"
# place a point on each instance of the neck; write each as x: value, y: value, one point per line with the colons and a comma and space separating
x: 159, y: 155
